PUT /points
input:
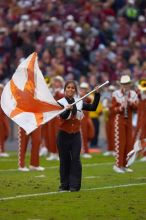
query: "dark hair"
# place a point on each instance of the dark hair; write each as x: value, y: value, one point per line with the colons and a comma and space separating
x: 71, y: 82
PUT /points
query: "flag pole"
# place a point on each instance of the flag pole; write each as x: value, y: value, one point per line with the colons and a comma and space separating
x: 64, y: 109
x: 97, y: 87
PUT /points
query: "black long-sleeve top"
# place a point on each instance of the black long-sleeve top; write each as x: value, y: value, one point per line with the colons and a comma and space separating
x: 86, y: 106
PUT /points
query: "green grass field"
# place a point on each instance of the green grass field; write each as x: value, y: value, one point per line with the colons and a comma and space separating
x: 104, y: 195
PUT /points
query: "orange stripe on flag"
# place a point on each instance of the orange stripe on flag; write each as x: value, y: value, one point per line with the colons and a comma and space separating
x: 30, y: 84
x: 39, y: 118
x: 26, y: 102
x: 31, y: 100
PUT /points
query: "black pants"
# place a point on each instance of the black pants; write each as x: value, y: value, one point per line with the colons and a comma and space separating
x: 69, y: 148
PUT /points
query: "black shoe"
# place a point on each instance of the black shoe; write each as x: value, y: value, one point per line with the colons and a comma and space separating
x: 74, y: 189
x: 61, y: 189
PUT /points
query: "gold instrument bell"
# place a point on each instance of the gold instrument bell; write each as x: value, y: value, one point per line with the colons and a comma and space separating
x: 142, y: 85
x: 47, y: 79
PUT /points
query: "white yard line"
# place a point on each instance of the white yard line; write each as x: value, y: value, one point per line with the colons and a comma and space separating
x: 56, y: 167
x: 141, y: 177
x: 7, y: 160
x: 96, y: 164
x: 34, y: 219
x: 116, y: 186
x: 91, y: 177
x: 54, y: 193
x: 40, y: 176
x: 9, y: 170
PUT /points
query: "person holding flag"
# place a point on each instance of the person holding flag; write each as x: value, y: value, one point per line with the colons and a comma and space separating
x: 69, y: 137
x: 27, y: 100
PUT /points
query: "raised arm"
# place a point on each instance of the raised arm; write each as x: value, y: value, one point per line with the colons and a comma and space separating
x: 93, y: 105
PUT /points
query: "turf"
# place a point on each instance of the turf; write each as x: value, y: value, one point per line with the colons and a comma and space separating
x: 105, y: 194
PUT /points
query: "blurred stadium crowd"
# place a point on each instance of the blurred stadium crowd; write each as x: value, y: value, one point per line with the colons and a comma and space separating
x: 83, y: 40
x: 87, y: 41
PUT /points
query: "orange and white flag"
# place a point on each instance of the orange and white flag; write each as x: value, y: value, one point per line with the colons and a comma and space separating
x: 26, y: 98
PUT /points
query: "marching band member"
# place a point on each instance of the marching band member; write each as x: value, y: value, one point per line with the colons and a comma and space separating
x: 49, y: 129
x: 109, y: 118
x: 141, y: 122
x: 87, y: 127
x: 56, y: 89
x: 44, y: 131
x: 69, y: 137
x: 95, y: 117
x: 4, y: 129
x: 23, y: 140
x: 124, y: 101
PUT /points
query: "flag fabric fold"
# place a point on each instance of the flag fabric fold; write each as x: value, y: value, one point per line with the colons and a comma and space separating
x: 26, y: 98
x: 132, y: 155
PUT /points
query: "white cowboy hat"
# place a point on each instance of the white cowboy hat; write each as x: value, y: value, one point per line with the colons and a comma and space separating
x: 59, y: 78
x: 84, y: 85
x: 125, y: 79
x: 111, y: 88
